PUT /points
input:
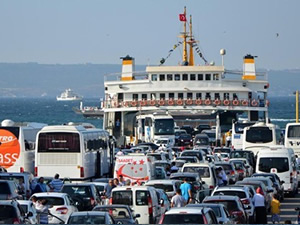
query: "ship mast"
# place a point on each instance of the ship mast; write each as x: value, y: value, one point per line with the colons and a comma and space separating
x: 184, y: 57
x: 191, y: 43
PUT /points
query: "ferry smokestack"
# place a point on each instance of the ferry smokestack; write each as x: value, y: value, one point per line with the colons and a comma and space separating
x: 128, y: 68
x: 249, y: 68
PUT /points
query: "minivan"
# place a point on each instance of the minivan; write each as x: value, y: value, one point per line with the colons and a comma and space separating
x: 143, y: 200
x: 281, y: 161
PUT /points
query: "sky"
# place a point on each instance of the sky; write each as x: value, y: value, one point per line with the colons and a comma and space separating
x: 102, y: 31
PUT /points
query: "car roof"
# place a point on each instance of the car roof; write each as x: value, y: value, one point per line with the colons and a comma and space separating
x: 162, y: 181
x: 187, y: 174
x: 50, y: 194
x: 124, y: 188
x: 113, y: 206
x: 185, y: 210
x: 198, y: 164
x: 222, y: 197
x: 231, y: 187
x: 92, y: 213
x: 207, y: 204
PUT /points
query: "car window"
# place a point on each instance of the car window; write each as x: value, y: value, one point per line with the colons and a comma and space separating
x: 4, y: 189
x: 183, y: 218
x: 25, y: 208
x: 226, y: 166
x: 53, y: 200
x: 229, y: 205
x: 87, y: 219
x: 122, y: 197
x: 142, y: 197
x: 240, y: 194
x: 7, y: 212
x: 203, y: 171
x: 165, y: 187
x: 216, y: 210
x: 83, y: 191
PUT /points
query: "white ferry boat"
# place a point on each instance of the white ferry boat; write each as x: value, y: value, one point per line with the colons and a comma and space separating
x: 68, y: 95
x: 188, y: 92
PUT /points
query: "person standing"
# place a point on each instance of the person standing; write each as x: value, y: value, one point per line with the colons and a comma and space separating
x: 42, y: 209
x: 275, y: 209
x: 186, y: 190
x: 177, y: 200
x: 121, y: 180
x: 56, y: 184
x: 40, y: 186
x: 21, y: 187
x: 260, y: 208
x: 108, y: 188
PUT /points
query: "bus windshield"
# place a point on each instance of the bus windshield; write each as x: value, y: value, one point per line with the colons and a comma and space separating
x: 164, y: 127
x: 293, y: 131
x: 266, y: 164
x: 259, y: 135
x: 239, y: 127
x: 58, y: 142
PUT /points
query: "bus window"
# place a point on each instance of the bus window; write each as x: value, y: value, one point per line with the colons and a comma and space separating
x: 164, y: 126
x: 259, y: 135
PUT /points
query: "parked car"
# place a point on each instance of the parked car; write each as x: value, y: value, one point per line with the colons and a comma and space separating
x: 186, y: 215
x: 233, y: 204
x: 9, y: 190
x: 177, y: 134
x: 84, y: 195
x: 29, y: 210
x: 185, y: 140
x: 121, y: 214
x: 243, y: 193
x: 211, y: 135
x: 142, y: 199
x: 60, y: 205
x: 197, y: 153
x: 169, y: 186
x: 160, y: 173
x: 244, y: 154
x: 12, y: 213
x: 201, y: 140
x: 188, y: 159
x: 90, y: 217
x: 248, y: 167
x: 240, y: 168
x: 220, y: 211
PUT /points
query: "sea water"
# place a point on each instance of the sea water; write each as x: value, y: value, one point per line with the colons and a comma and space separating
x: 52, y: 112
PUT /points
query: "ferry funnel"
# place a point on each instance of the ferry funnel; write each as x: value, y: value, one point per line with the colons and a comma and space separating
x: 249, y: 68
x: 128, y: 68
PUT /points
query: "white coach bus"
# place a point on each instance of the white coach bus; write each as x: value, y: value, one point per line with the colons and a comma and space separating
x: 17, y: 143
x: 72, y: 151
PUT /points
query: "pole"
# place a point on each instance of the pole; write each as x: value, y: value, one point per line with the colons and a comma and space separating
x: 297, y: 106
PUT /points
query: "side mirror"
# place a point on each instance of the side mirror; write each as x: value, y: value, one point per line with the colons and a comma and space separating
x: 137, y: 216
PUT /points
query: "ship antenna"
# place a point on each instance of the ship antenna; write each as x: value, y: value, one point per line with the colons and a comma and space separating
x: 184, y: 56
x: 191, y: 43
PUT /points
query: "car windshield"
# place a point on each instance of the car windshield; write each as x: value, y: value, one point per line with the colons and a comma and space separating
x: 165, y: 187
x: 115, y: 212
x: 183, y: 218
x: 187, y: 159
x: 201, y: 141
x: 87, y: 219
x: 266, y: 164
x: 238, y: 165
x: 53, y: 200
x: 192, y: 153
x: 225, y: 150
x: 188, y: 179
x: 239, y: 154
x: 229, y: 205
x: 225, y: 166
x: 265, y: 175
x: 82, y: 191
x: 240, y: 194
x: 164, y: 127
x: 203, y: 171
x: 259, y: 135
x: 7, y: 212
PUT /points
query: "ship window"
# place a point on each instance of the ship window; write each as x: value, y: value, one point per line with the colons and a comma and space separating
x: 169, y: 76
x: 189, y: 95
x: 198, y: 95
x: 215, y: 76
x: 208, y: 76
x: 161, y: 77
x: 180, y: 95
x: 144, y: 96
x: 184, y: 77
x: 226, y: 96
x: 154, y: 77
x: 135, y: 97
x: 177, y: 76
x: 234, y: 96
x: 162, y: 95
x: 171, y: 95
x: 217, y: 95
x: 193, y: 77
x: 207, y: 95
x: 153, y: 96
x: 200, y: 76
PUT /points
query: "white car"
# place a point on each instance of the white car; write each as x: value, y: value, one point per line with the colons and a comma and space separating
x: 169, y: 186
x: 247, y: 165
x: 29, y: 210
x: 60, y: 205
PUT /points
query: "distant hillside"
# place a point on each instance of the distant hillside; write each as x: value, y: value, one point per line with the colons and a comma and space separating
x: 37, y: 80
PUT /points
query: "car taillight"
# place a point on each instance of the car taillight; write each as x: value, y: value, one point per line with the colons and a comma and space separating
x: 245, y: 201
x: 110, y: 201
x: 204, y: 219
x: 150, y: 206
x: 62, y: 210
x: 211, y: 187
x: 92, y: 201
x: 197, y: 187
x: 231, y: 172
x: 21, y: 170
x: 16, y: 221
x: 81, y: 172
x: 35, y: 171
x: 161, y: 219
x: 240, y: 171
x: 238, y: 213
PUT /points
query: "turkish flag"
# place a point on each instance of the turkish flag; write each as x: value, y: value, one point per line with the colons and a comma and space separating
x: 182, y: 17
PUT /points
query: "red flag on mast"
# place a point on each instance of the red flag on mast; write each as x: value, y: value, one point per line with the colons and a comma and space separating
x: 182, y: 17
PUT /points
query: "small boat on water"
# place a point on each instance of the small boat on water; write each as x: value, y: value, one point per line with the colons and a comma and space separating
x: 89, y: 111
x: 68, y: 95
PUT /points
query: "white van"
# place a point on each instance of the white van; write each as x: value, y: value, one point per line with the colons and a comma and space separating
x: 281, y: 161
x: 143, y: 200
x: 136, y: 167
x: 206, y: 172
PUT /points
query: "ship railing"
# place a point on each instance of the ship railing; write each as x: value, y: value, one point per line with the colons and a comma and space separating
x: 136, y: 75
x: 253, y: 102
